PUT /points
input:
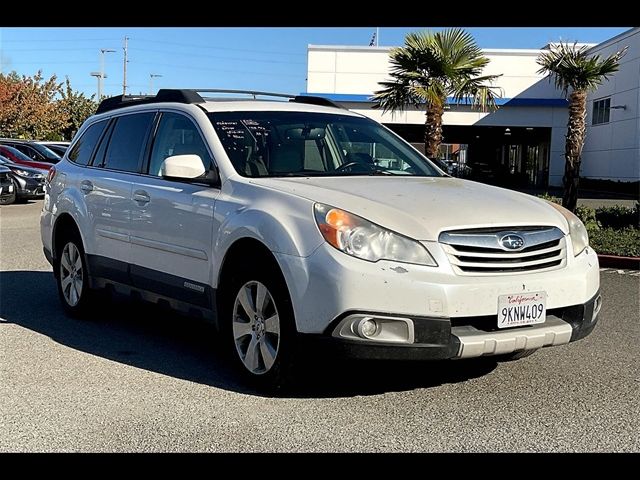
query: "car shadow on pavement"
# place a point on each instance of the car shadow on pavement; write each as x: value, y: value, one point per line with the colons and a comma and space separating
x: 149, y: 337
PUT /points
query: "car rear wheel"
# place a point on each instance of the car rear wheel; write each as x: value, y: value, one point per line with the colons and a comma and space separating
x: 72, y: 277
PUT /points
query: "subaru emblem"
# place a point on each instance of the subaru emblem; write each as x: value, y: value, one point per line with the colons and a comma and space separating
x: 511, y: 241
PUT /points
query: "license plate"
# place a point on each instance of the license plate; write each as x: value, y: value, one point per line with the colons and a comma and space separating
x: 521, y: 309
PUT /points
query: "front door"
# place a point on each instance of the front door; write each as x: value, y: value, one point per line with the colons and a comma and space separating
x: 172, y: 221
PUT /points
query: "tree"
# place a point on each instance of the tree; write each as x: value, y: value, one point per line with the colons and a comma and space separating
x: 431, y: 67
x: 576, y: 73
x: 76, y: 108
x: 27, y: 107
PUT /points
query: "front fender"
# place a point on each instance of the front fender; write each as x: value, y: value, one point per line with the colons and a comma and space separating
x: 284, y: 223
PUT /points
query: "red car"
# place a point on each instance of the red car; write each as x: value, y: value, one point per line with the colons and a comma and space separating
x: 16, y: 156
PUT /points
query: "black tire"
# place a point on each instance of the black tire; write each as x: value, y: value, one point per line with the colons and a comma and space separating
x: 87, y: 296
x: 8, y: 200
x: 280, y: 374
x: 11, y: 198
x: 510, y: 357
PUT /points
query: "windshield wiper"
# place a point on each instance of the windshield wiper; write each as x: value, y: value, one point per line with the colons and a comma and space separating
x: 380, y: 171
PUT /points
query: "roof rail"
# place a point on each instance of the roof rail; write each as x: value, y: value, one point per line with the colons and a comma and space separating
x: 312, y: 100
x: 163, y: 95
x: 254, y: 93
x: 192, y: 96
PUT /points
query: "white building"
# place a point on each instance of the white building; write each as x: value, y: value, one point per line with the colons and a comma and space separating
x: 522, y: 142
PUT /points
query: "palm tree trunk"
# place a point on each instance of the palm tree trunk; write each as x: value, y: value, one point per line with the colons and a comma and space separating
x: 433, y: 129
x: 576, y: 128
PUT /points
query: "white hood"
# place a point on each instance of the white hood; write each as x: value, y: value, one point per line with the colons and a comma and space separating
x: 422, y: 207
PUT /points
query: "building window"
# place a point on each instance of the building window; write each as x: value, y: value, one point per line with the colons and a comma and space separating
x: 601, y: 111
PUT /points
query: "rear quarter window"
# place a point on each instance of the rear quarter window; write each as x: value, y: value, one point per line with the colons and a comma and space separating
x: 83, y: 149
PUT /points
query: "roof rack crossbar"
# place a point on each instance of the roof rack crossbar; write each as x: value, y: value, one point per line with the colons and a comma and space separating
x: 192, y: 96
x: 254, y: 93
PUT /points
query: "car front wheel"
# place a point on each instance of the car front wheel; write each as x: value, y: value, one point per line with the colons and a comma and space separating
x: 262, y: 327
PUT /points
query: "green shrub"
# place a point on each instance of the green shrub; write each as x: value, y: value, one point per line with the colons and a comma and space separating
x: 588, y: 216
x: 619, y: 217
x: 550, y: 198
x: 609, y: 241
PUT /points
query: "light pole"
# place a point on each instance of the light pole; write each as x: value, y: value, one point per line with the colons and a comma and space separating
x: 151, y: 77
x: 101, y: 75
x: 98, y: 75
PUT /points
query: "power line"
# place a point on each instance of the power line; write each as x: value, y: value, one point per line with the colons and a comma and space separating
x: 286, y: 62
x: 191, y: 67
x: 66, y: 49
x: 50, y: 62
x: 50, y: 40
x: 211, y: 47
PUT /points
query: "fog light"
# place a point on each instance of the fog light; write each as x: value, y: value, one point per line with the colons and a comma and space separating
x: 367, y: 328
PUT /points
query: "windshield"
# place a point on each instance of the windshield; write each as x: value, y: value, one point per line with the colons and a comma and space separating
x: 16, y: 153
x: 281, y: 144
x: 48, y: 153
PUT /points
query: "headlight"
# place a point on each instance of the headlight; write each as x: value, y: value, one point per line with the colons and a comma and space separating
x: 360, y: 238
x: 22, y: 173
x: 577, y: 230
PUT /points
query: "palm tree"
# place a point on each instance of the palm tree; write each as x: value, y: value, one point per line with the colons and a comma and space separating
x: 574, y: 71
x: 431, y: 67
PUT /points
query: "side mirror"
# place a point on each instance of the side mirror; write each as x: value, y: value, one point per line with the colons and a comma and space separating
x: 182, y: 166
x: 187, y: 167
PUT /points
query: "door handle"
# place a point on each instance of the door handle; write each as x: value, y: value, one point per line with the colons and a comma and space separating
x: 141, y: 196
x: 86, y: 186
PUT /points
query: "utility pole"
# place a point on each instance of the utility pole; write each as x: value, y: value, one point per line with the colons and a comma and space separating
x: 151, y: 77
x: 124, y: 66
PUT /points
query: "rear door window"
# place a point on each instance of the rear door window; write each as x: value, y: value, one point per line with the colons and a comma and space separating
x: 128, y: 142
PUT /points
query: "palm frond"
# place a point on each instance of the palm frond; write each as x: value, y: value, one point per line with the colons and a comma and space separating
x: 431, y: 66
x: 571, y: 67
x: 478, y: 91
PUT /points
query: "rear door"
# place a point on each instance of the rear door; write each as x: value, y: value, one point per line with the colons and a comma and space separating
x: 107, y: 188
x: 172, y: 221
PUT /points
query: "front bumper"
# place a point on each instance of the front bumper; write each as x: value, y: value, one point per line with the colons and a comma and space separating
x: 28, y: 187
x: 439, y: 339
x: 328, y: 284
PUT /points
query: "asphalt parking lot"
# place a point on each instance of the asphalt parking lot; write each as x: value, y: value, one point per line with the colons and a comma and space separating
x: 137, y: 378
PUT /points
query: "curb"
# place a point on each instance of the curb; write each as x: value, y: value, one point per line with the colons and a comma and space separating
x: 614, y: 261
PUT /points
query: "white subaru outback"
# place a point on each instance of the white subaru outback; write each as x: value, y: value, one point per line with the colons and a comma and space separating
x: 293, y: 221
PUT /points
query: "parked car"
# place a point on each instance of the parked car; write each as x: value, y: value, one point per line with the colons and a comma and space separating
x: 56, y: 147
x: 28, y: 182
x: 33, y: 150
x: 271, y: 219
x: 16, y: 156
x: 7, y: 189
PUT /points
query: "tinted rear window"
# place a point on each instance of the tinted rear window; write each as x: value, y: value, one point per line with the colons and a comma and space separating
x: 128, y: 141
x: 84, y: 147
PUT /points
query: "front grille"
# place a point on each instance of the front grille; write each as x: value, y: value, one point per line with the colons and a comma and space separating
x: 480, y: 252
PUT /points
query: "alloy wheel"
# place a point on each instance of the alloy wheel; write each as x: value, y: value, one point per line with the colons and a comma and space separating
x: 256, y: 327
x: 71, y: 274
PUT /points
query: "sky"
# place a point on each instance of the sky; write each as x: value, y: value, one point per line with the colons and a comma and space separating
x: 256, y: 58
